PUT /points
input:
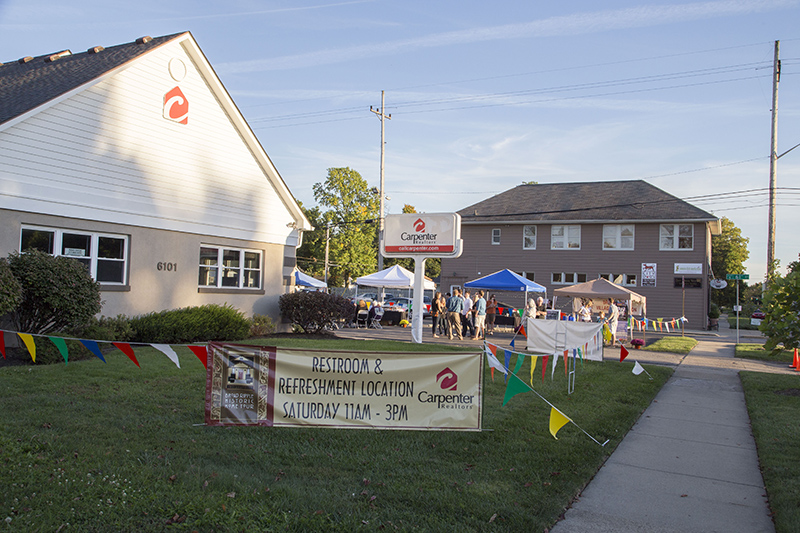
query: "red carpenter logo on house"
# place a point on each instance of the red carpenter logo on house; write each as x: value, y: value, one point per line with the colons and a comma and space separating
x: 419, y: 225
x: 176, y: 107
x: 447, y: 379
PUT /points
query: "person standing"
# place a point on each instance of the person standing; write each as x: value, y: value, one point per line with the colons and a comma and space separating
x: 613, y: 319
x: 480, y: 317
x: 454, y: 306
x: 436, y: 312
x: 491, y: 312
x: 585, y: 313
x: 466, y: 316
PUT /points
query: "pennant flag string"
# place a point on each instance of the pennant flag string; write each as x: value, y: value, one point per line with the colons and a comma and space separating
x: 93, y: 346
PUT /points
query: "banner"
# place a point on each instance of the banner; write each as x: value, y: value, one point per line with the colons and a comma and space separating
x: 288, y: 387
x: 554, y: 336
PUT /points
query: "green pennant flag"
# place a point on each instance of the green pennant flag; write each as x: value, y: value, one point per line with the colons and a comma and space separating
x: 515, y: 386
x: 520, y: 360
x: 61, y: 344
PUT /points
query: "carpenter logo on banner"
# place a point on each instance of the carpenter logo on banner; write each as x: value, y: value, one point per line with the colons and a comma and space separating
x: 251, y: 385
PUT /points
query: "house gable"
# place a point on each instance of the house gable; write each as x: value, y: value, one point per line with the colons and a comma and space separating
x: 102, y: 149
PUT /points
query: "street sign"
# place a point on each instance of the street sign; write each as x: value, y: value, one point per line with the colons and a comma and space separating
x: 737, y: 276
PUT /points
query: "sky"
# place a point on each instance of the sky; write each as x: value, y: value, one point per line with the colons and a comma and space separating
x: 484, y: 96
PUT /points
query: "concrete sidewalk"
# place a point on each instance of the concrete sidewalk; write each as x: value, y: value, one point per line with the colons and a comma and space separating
x: 688, y: 464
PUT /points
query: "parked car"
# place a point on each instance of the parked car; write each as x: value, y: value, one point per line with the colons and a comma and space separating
x: 758, y: 313
x: 402, y: 303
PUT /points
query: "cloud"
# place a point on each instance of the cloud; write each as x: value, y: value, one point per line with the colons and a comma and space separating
x: 575, y: 24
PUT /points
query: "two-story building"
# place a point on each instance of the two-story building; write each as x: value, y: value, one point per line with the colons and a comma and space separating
x: 135, y: 160
x: 559, y: 234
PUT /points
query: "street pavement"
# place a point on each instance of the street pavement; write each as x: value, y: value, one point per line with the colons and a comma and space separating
x: 689, y: 464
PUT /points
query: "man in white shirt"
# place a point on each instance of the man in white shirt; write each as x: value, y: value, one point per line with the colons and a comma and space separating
x: 466, y: 316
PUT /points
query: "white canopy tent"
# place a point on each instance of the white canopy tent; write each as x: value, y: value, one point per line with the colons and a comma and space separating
x: 395, y: 277
x: 601, y: 289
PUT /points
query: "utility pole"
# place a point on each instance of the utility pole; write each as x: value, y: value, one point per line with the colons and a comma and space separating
x: 382, y: 116
x: 773, y: 161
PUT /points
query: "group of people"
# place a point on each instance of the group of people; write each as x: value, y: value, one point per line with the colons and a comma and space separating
x: 612, y: 320
x: 459, y: 315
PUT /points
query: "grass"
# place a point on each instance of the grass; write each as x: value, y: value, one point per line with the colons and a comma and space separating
x: 773, y: 402
x: 110, y: 447
x: 672, y: 344
x: 757, y: 351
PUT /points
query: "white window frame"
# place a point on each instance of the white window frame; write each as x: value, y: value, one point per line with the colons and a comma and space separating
x: 675, y: 238
x: 220, y: 268
x: 495, y: 236
x: 93, y: 259
x: 529, y: 241
x: 567, y: 278
x: 626, y: 280
x: 569, y: 239
x: 613, y: 237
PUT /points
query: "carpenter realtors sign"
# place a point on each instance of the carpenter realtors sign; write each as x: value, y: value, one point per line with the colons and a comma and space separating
x: 268, y: 386
x: 431, y: 235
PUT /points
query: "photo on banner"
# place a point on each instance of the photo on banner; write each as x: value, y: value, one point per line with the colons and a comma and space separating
x: 288, y: 387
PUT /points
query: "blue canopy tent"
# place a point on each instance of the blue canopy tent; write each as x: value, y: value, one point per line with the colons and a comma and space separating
x: 305, y: 280
x: 505, y: 280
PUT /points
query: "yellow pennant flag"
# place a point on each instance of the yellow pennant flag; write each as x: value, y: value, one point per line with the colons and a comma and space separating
x: 557, y: 421
x: 534, y: 358
x: 28, y: 340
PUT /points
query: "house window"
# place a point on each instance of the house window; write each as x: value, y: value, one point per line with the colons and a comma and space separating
x: 618, y: 236
x: 104, y: 255
x: 677, y: 237
x: 529, y: 276
x: 567, y: 278
x: 229, y: 268
x: 565, y: 237
x: 528, y: 237
x: 688, y: 283
x: 626, y: 280
x: 496, y: 236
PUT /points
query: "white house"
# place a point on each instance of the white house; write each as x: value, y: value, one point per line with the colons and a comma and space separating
x: 135, y: 160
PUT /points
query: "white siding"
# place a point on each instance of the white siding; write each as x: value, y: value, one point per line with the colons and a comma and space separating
x: 107, y: 154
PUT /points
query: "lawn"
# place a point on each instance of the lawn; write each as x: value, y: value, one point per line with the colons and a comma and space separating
x: 757, y: 351
x: 111, y: 447
x: 773, y: 402
x: 672, y: 344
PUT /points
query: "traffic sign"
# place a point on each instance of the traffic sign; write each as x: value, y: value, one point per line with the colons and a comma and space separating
x: 737, y: 276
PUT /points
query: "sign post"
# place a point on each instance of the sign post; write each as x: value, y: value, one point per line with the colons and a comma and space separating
x: 420, y: 236
x: 738, y: 307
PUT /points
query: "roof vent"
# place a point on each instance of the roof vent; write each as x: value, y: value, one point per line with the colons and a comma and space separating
x: 95, y: 49
x: 57, y: 55
x: 25, y: 59
x: 144, y: 40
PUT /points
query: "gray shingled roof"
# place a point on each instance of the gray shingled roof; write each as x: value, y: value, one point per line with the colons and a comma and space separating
x: 27, y: 85
x: 602, y: 200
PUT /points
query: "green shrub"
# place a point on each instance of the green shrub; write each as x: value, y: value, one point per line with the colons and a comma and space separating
x: 10, y: 289
x: 191, y: 324
x: 261, y: 325
x: 713, y: 310
x: 58, y: 294
x: 315, y: 311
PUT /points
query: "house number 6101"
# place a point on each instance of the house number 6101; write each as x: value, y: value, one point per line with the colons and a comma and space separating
x: 169, y: 267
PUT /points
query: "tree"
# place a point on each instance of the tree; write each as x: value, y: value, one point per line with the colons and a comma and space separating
x: 781, y: 323
x: 352, y: 212
x: 311, y: 254
x: 728, y: 254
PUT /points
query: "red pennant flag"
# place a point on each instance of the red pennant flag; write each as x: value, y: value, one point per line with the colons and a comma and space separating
x: 127, y: 350
x: 202, y: 353
x: 2, y: 345
x: 544, y: 365
x: 623, y: 353
x: 522, y: 330
x: 566, y: 355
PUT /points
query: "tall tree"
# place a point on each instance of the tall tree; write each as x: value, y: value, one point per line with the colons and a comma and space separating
x: 311, y: 254
x: 728, y: 254
x: 351, y: 214
x: 781, y: 324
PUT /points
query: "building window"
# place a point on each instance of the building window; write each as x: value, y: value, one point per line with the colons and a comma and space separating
x: 677, y: 237
x: 229, y: 268
x: 688, y: 283
x: 104, y: 255
x: 528, y: 237
x: 567, y: 278
x: 626, y: 280
x: 529, y: 276
x: 565, y: 237
x: 496, y: 236
x: 618, y: 236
